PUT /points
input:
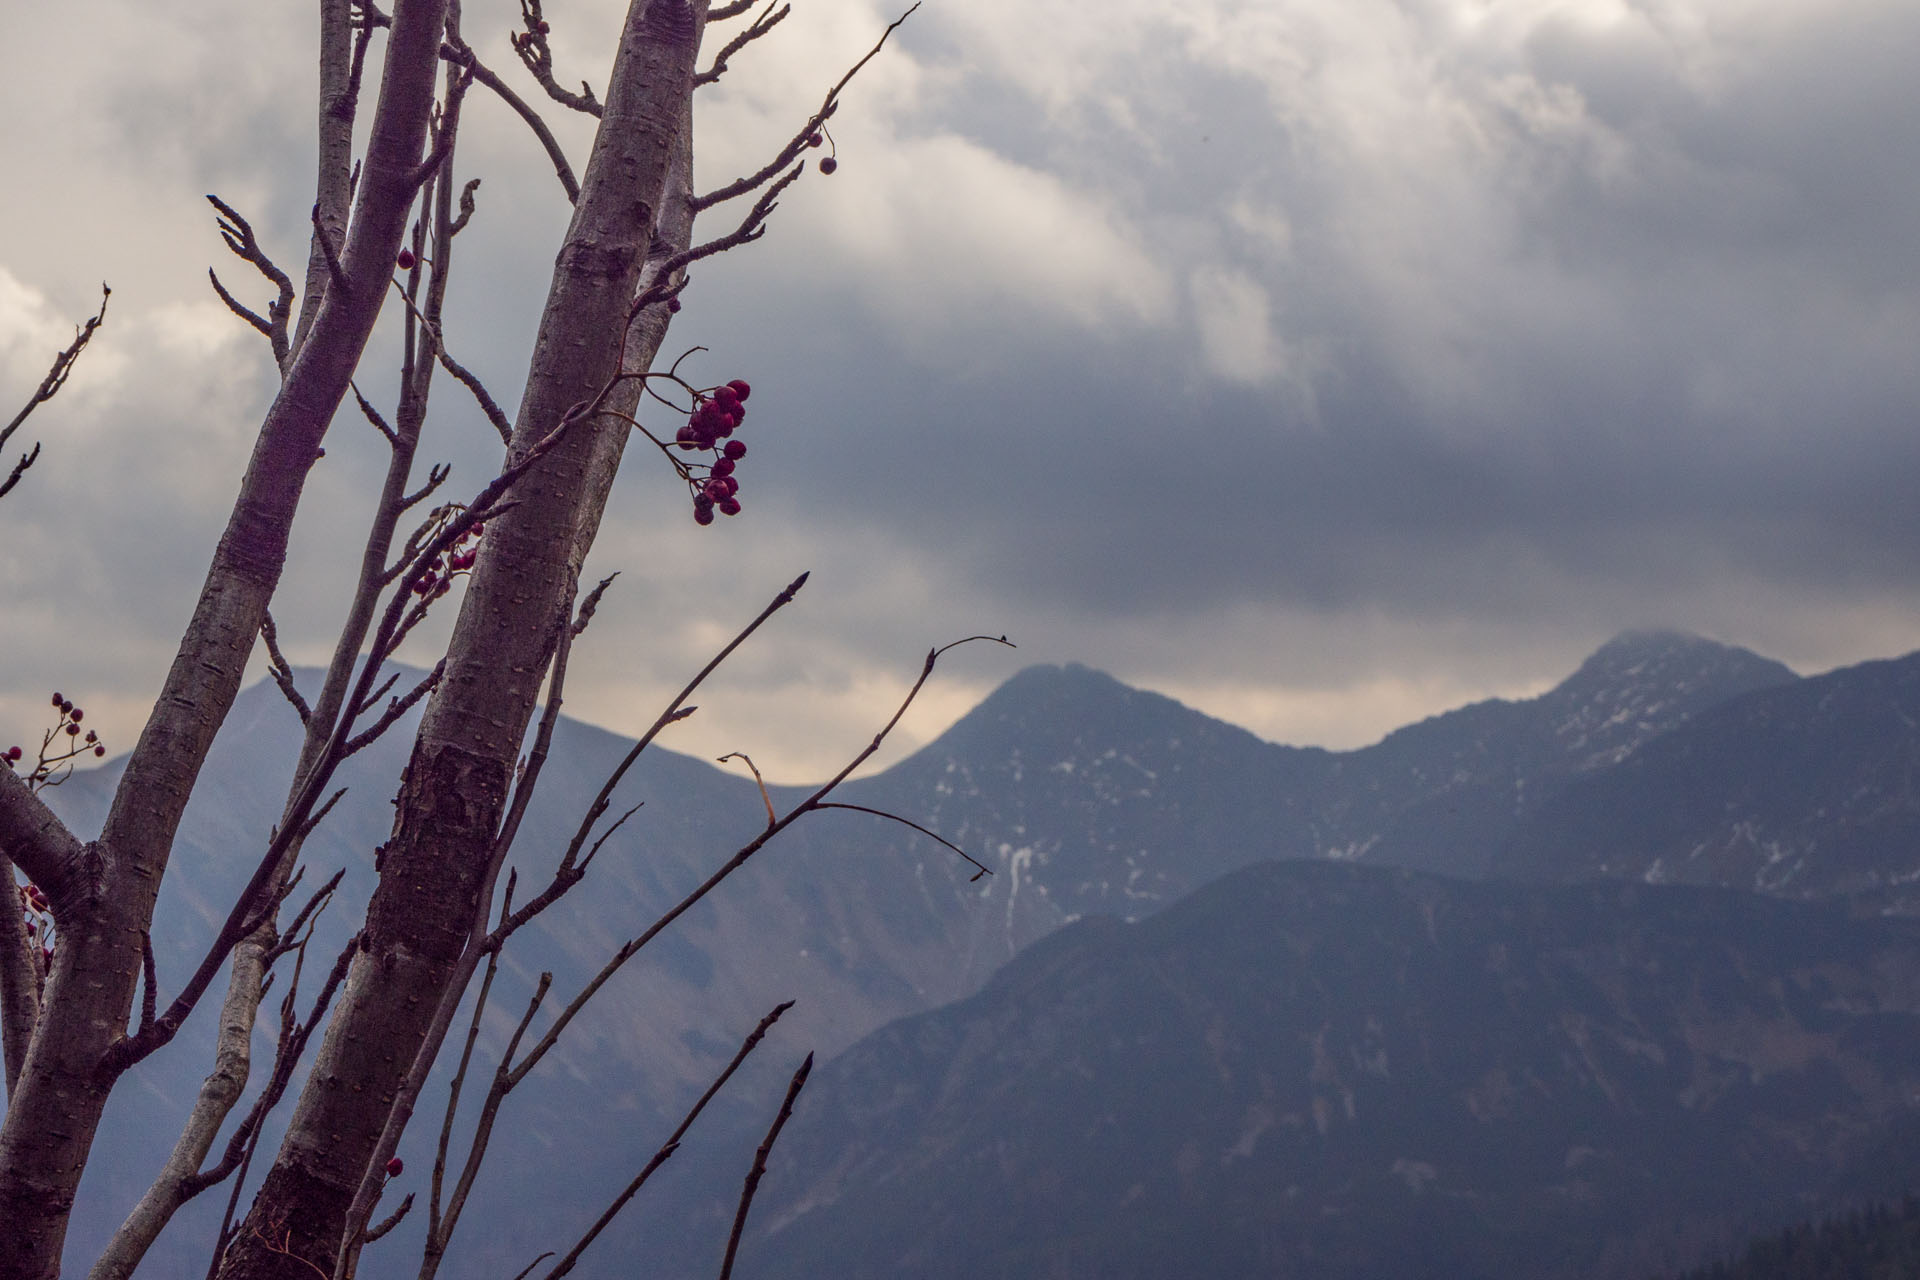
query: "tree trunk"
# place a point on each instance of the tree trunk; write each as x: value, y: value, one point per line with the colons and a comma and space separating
x: 103, y: 894
x: 456, y: 784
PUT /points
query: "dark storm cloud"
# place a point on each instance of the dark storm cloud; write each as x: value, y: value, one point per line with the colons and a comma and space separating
x: 1676, y: 345
x: 1424, y: 338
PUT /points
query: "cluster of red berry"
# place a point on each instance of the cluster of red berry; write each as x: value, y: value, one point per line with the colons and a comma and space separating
x: 716, y: 414
x: 39, y: 918
x: 437, y: 578
x: 61, y: 745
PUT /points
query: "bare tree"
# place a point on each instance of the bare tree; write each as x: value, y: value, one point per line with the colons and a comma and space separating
x: 385, y: 223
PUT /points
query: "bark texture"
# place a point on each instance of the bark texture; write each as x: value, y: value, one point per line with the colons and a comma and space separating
x: 105, y: 894
x: 457, y: 781
x: 19, y: 979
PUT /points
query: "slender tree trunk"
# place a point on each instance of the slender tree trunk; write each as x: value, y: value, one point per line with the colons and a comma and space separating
x: 19, y: 979
x: 103, y: 894
x: 456, y: 784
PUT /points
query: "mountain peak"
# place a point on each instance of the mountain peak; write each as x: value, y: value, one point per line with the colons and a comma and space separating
x: 1641, y: 683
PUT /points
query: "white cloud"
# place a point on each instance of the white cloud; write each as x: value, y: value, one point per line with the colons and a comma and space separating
x: 1234, y: 316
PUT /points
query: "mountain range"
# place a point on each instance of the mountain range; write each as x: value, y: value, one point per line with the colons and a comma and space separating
x: 1664, y: 758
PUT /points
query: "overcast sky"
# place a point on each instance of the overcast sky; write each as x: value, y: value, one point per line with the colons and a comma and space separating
x: 1322, y: 363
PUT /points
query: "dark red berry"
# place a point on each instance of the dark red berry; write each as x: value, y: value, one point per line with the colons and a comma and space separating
x: 57, y: 699
x: 13, y: 753
x: 815, y: 140
x: 65, y: 707
x: 543, y: 29
x: 99, y: 751
x: 78, y: 713
x: 673, y: 305
x: 736, y: 449
x: 741, y: 387
x: 395, y: 1166
x: 723, y: 466
x: 828, y: 164
x: 687, y: 437
x: 406, y: 259
x: 92, y: 736
x: 73, y: 731
x: 703, y: 515
x: 731, y: 507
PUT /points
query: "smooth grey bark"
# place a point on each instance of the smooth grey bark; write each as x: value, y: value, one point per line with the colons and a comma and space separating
x: 103, y: 894
x: 455, y: 788
x: 222, y: 1088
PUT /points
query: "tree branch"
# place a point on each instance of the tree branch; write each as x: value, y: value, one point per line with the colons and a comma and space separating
x: 798, y: 142
x: 671, y: 1145
x: 759, y: 1168
x: 531, y: 45
x: 466, y: 57
x: 50, y: 387
x: 37, y: 842
x: 238, y: 233
x: 766, y: 22
x: 281, y: 670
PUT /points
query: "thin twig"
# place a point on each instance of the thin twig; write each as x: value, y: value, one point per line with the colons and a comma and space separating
x: 667, y: 1148
x: 238, y: 234
x: 472, y: 383
x: 798, y: 142
x: 758, y: 781
x: 49, y: 387
x: 531, y: 45
x: 395, y: 709
x: 751, y: 228
x: 760, y: 1164
x: 676, y: 710
x: 984, y: 870
x: 389, y: 1222
x: 281, y: 670
x: 373, y: 415
x: 766, y: 22
x: 486, y: 76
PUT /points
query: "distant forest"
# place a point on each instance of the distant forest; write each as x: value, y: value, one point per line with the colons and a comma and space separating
x: 1881, y: 1243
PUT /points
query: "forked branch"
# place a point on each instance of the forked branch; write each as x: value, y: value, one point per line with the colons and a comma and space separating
x: 798, y: 142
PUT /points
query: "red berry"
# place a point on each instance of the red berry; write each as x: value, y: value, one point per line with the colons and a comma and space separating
x: 741, y: 387
x: 57, y: 699
x: 726, y: 396
x: 829, y: 164
x: 673, y: 305
x: 13, y: 753
x: 66, y: 708
x: 731, y: 507
x: 78, y: 713
x: 722, y: 466
x: 405, y: 259
x: 395, y: 1165
x: 736, y: 449
x: 99, y: 751
x: 815, y: 140
x: 73, y: 731
x: 703, y: 515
